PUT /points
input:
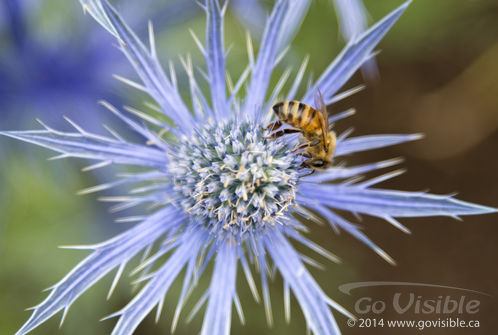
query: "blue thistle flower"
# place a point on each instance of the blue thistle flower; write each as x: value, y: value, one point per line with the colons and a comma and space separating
x: 223, y: 192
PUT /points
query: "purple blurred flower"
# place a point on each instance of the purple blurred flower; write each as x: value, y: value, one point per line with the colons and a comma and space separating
x: 43, y: 76
x: 220, y: 190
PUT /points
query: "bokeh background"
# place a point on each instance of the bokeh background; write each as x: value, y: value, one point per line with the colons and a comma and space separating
x: 438, y: 76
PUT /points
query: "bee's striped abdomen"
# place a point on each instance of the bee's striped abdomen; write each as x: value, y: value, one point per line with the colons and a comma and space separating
x: 277, y: 107
x: 282, y: 110
x: 294, y: 113
x: 307, y: 115
x: 303, y: 110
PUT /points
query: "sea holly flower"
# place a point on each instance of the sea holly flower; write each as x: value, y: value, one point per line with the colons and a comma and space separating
x: 220, y: 190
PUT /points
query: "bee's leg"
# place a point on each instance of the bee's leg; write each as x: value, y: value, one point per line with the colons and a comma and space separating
x: 306, y: 145
x: 304, y: 154
x: 274, y: 125
x: 300, y: 147
x: 283, y: 132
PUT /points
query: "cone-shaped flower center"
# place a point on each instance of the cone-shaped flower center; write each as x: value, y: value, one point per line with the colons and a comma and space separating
x: 233, y: 179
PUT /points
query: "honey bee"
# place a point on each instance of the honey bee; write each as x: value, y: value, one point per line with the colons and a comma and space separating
x: 313, y: 124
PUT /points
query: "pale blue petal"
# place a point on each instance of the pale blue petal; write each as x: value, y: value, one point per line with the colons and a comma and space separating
x: 369, y: 142
x: 312, y: 300
x: 261, y: 261
x: 145, y: 63
x: 218, y: 316
x: 352, y: 57
x: 352, y: 16
x: 388, y: 203
x: 150, y: 137
x: 93, y: 147
x: 189, y: 281
x: 157, y: 287
x: 297, y: 80
x: 96, y: 10
x: 104, y: 258
x: 294, y: 234
x: 292, y: 22
x: 150, y: 176
x: 215, y: 56
x: 263, y: 68
x: 355, y: 230
x: 165, y: 196
x: 248, y: 275
x: 335, y: 173
x: 199, y: 102
x: 250, y: 13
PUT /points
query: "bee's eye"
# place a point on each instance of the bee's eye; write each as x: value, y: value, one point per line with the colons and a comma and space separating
x: 318, y: 163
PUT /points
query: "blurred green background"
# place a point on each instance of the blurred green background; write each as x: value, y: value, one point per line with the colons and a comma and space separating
x: 438, y: 76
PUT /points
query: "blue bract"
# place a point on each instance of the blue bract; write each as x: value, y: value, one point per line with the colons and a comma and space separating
x: 219, y: 189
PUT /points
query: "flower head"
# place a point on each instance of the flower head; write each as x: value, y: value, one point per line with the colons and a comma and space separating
x: 220, y: 189
x: 232, y: 179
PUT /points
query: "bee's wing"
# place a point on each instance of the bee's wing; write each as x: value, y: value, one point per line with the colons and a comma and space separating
x: 322, y: 108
